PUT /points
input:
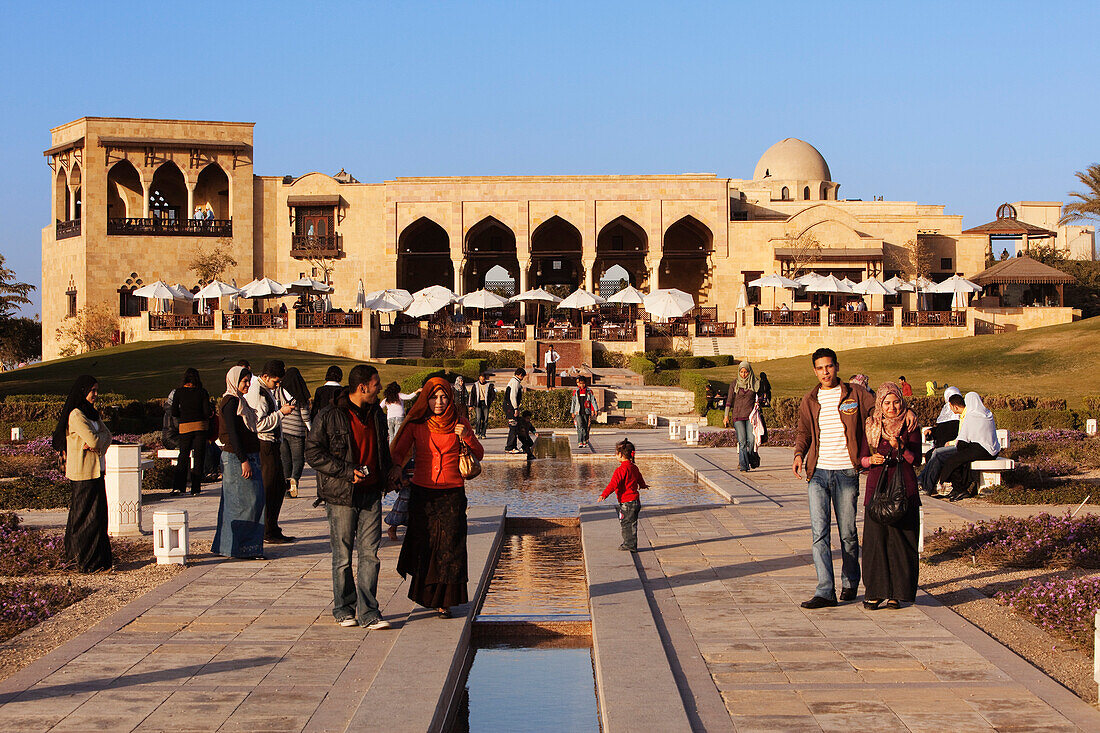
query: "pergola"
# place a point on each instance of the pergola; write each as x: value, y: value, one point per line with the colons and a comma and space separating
x: 1040, y: 281
x: 1007, y: 226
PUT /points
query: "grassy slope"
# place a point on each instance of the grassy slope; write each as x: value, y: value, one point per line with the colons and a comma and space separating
x: 149, y: 370
x: 1057, y: 361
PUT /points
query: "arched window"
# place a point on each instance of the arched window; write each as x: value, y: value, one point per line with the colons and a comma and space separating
x: 806, y: 194
x: 824, y: 192
x: 785, y: 194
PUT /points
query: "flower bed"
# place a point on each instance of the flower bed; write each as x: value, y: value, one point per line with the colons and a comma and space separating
x: 1066, y: 606
x: 24, y: 604
x: 1044, y: 491
x: 29, y: 551
x: 1028, y: 542
x: 727, y: 438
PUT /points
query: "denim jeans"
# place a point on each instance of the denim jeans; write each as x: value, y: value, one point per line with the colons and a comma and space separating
x: 930, y: 475
x: 392, y: 424
x: 361, y: 529
x: 582, y: 421
x: 628, y: 521
x: 482, y: 422
x: 293, y: 452
x: 838, y: 490
x: 746, y: 444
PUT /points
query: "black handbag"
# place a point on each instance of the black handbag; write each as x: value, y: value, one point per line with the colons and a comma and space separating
x: 890, y: 502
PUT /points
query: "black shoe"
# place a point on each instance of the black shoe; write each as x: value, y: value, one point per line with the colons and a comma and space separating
x: 957, y: 494
x: 848, y: 594
x: 278, y: 540
x: 872, y: 605
x: 819, y: 602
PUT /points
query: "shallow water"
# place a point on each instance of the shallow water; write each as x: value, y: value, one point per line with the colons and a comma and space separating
x: 539, y: 572
x: 557, y: 488
x: 529, y: 688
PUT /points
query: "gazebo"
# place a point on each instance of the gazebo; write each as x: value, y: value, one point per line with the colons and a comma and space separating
x: 1007, y: 226
x: 1022, y: 281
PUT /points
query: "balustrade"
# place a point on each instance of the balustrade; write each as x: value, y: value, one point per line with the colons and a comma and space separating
x: 613, y: 332
x: 171, y: 227
x: 787, y: 318
x: 331, y: 319
x: 254, y: 320
x: 934, y: 318
x: 502, y: 333
x: 180, y: 321
x: 313, y: 245
x: 66, y: 229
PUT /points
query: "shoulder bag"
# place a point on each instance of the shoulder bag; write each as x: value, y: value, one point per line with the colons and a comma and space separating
x: 468, y: 465
x: 890, y: 502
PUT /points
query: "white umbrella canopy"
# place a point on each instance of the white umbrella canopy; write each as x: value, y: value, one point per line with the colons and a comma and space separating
x: 828, y: 284
x: 217, y: 289
x: 232, y: 298
x: 579, y: 299
x: 955, y: 284
x: 309, y: 285
x: 921, y: 283
x: 851, y: 284
x: 158, y: 290
x: 181, y: 292
x: 538, y: 295
x: 429, y: 300
x: 899, y: 285
x: 482, y: 299
x: 389, y: 300
x: 775, y: 281
x: 360, y: 296
x: 263, y: 288
x: 629, y: 295
x: 874, y: 286
x: 668, y: 303
x: 806, y: 279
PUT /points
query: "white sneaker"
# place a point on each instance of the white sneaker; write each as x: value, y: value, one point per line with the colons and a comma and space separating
x: 379, y: 625
x: 348, y: 622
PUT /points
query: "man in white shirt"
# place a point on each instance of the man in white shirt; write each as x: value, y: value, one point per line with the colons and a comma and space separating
x: 830, y: 433
x: 551, y: 361
x: 513, y: 396
x: 269, y: 417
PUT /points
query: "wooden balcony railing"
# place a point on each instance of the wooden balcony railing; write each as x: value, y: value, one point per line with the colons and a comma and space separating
x: 448, y: 330
x: 66, y: 229
x: 861, y: 318
x: 400, y: 330
x: 332, y: 319
x: 180, y: 321
x: 613, y: 332
x: 172, y: 227
x: 715, y: 328
x: 933, y: 318
x: 312, y: 245
x: 787, y: 318
x: 254, y: 320
x: 558, y: 333
x: 502, y: 333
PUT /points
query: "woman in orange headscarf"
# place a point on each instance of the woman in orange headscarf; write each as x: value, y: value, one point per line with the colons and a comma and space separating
x: 434, y: 550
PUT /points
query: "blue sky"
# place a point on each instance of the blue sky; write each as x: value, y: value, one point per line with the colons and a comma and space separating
x: 963, y: 104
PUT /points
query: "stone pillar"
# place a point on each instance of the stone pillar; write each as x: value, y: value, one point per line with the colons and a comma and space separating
x: 475, y: 334
x: 824, y: 316
x: 639, y: 333
x: 123, y: 480
x: 457, y: 264
x: 590, y: 274
x: 654, y: 274
x: 190, y: 200
x: 70, y: 202
x: 523, y: 266
x: 145, y: 198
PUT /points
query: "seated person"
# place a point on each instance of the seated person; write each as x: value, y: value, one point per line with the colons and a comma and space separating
x: 977, y: 441
x: 943, y: 436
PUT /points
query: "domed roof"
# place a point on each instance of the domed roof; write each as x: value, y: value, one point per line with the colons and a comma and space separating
x: 792, y: 159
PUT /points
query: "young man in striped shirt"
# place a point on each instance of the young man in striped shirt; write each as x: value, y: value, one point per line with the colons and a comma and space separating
x: 827, y: 442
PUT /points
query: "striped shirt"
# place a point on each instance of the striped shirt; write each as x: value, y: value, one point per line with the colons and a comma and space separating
x: 832, y: 453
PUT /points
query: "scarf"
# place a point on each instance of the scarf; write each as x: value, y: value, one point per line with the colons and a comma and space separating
x: 978, y: 425
x: 244, y: 410
x: 946, y: 413
x: 750, y: 382
x: 77, y: 400
x: 879, y: 426
x: 295, y: 386
x: 421, y: 411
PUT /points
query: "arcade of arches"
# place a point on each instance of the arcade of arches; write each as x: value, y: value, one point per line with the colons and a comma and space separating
x: 556, y: 257
x: 424, y: 257
x: 489, y: 243
x: 685, y: 262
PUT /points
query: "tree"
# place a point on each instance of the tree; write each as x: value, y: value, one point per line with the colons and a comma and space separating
x: 209, y: 265
x: 12, y: 293
x: 93, y: 327
x: 1089, y: 205
x: 805, y: 248
x: 20, y: 341
x: 921, y: 258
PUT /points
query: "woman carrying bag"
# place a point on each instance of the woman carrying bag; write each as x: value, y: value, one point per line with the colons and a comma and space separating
x: 891, y: 517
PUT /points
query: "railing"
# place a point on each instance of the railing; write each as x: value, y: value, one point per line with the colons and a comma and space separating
x: 558, y: 333
x: 399, y: 330
x: 254, y: 320
x: 312, y: 245
x: 787, y: 318
x: 715, y: 328
x: 502, y: 333
x: 933, y: 318
x: 704, y: 313
x: 672, y: 328
x: 861, y: 318
x: 449, y: 330
x: 332, y: 319
x: 66, y: 229
x: 178, y: 321
x: 984, y: 328
x: 612, y: 332
x: 172, y: 227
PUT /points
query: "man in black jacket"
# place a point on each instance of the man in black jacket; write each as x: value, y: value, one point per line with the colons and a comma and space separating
x: 482, y: 394
x: 348, y: 446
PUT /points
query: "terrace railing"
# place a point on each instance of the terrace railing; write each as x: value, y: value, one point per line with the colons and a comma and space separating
x: 66, y: 229
x: 558, y: 333
x: 400, y: 330
x: 312, y: 245
x: 180, y: 321
x: 715, y: 328
x: 502, y: 333
x: 787, y: 318
x: 614, y: 332
x: 861, y: 318
x: 309, y: 319
x: 254, y: 320
x: 933, y: 318
x: 158, y: 227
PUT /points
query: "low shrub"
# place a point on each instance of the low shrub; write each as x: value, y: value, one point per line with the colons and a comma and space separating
x: 416, y: 380
x: 723, y: 360
x: 28, y: 550
x: 1044, y: 492
x: 663, y: 378
x: 641, y: 364
x: 504, y: 359
x: 34, y: 492
x: 549, y: 408
x: 26, y: 604
x: 783, y: 412
x: 402, y: 362
x: 158, y: 479
x: 1092, y: 402
x: 1023, y: 542
x: 609, y: 359
x: 1034, y: 418
x: 1065, y: 606
x: 727, y: 438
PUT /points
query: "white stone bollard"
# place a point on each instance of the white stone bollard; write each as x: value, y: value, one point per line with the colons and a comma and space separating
x: 1090, y: 426
x: 170, y: 537
x: 675, y: 431
x: 691, y: 433
x: 123, y: 479
x: 17, y: 433
x: 651, y: 419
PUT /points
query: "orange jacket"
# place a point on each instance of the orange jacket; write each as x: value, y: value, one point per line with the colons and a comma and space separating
x: 436, y: 455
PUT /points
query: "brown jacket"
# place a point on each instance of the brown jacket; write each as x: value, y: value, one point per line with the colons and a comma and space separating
x: 856, y: 405
x: 85, y: 446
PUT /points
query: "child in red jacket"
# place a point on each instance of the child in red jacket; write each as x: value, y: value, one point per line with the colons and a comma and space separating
x: 625, y: 482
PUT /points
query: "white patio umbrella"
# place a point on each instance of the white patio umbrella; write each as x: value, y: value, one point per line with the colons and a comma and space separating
x: 360, y: 296
x: 538, y: 296
x: 263, y: 288
x: 921, y: 283
x: 232, y: 298
x: 580, y: 299
x: 217, y: 289
x: 181, y: 292
x: 309, y: 285
x: 828, y: 284
x: 482, y: 299
x: 158, y: 290
x: 743, y: 297
x: 389, y: 300
x: 874, y: 286
x: 668, y: 303
x: 807, y: 278
x: 899, y: 285
x: 775, y: 281
x: 429, y: 300
x: 955, y: 284
x: 629, y: 295
x: 851, y: 284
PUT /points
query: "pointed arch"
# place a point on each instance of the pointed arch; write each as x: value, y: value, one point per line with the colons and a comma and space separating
x: 76, y: 203
x: 212, y: 192
x: 623, y: 242
x: 168, y: 193
x: 685, y: 264
x: 556, y: 257
x: 61, y: 195
x: 424, y: 256
x: 124, y: 191
x: 487, y: 244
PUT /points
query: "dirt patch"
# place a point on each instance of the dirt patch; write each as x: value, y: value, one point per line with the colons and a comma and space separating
x: 968, y: 590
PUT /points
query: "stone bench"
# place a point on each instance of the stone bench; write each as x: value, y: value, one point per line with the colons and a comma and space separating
x: 173, y: 454
x: 989, y: 472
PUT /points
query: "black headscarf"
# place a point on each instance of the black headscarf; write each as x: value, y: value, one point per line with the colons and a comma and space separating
x: 295, y: 386
x: 77, y: 400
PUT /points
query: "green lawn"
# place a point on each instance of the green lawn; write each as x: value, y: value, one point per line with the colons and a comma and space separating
x: 1057, y: 361
x: 150, y: 370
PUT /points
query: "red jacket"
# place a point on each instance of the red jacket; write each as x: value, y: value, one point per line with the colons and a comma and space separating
x: 625, y: 482
x: 436, y: 455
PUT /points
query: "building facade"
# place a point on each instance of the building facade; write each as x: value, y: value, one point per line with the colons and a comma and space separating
x: 125, y: 194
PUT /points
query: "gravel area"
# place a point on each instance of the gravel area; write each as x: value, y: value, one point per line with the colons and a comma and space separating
x: 968, y: 591
x: 135, y: 573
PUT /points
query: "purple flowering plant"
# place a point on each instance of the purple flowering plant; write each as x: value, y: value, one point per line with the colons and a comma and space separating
x: 24, y: 604
x: 1040, y: 541
x: 29, y: 551
x: 1062, y: 605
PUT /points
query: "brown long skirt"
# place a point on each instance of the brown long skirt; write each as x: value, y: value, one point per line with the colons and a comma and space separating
x: 434, y: 550
x: 890, y: 560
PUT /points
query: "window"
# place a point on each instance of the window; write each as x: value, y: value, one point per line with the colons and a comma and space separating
x: 806, y: 194
x: 945, y: 263
x: 71, y: 295
x: 785, y: 194
x: 130, y: 304
x: 753, y: 294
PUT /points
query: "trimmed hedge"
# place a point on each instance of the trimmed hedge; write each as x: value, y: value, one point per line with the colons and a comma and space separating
x: 503, y: 359
x: 609, y: 359
x: 1035, y: 419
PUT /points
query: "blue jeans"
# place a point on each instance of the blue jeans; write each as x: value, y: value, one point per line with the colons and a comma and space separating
x: 362, y: 529
x: 839, y: 490
x: 293, y: 452
x: 746, y: 444
x: 582, y: 421
x: 930, y: 475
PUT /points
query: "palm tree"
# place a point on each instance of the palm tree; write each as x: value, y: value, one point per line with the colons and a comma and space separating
x: 1089, y: 205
